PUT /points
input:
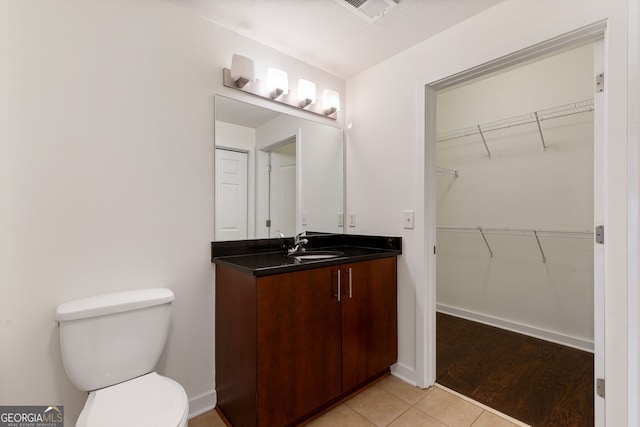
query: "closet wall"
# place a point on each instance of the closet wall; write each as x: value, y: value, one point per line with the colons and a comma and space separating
x: 541, y: 285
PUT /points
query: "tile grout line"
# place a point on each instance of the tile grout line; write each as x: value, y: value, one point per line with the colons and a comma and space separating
x: 364, y: 417
x: 401, y: 414
x: 392, y: 394
x: 482, y: 406
x: 479, y: 415
x: 414, y: 406
x: 411, y: 405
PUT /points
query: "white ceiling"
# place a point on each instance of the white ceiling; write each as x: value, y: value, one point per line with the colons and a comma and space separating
x: 328, y: 36
x: 241, y: 113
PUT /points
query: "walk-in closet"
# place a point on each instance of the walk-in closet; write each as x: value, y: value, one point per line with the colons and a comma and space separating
x: 515, y: 240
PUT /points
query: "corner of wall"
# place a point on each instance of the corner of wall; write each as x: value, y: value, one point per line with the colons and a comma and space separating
x: 202, y: 403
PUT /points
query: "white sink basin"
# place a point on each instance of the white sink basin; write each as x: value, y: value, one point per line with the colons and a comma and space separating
x: 316, y: 255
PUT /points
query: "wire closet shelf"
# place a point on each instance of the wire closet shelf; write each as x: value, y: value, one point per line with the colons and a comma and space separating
x: 538, y: 234
x: 536, y: 117
x: 521, y: 120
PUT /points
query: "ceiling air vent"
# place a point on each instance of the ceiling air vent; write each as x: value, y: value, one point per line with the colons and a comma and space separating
x: 370, y: 10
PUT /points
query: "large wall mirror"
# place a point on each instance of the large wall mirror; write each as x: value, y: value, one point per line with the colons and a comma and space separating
x: 275, y: 173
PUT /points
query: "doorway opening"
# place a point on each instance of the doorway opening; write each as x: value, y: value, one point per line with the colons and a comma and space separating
x: 514, y: 236
x: 281, y: 173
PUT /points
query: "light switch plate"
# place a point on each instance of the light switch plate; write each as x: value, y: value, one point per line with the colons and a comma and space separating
x: 352, y: 219
x: 408, y: 219
x: 304, y: 219
x: 340, y: 220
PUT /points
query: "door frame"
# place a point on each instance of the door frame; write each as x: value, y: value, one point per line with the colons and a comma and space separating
x: 425, y: 373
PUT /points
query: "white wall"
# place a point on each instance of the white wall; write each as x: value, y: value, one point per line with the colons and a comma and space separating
x: 521, y: 186
x: 383, y: 146
x: 106, y: 176
x: 634, y: 211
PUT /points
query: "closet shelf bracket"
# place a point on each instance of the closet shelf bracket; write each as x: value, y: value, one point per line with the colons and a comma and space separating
x: 447, y: 171
x: 484, y: 141
x: 544, y: 146
x: 535, y: 233
x: 486, y: 242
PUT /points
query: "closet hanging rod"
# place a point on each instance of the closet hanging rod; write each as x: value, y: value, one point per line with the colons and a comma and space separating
x: 447, y: 171
x: 521, y: 120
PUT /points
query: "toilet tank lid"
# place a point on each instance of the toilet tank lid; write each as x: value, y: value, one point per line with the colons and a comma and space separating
x: 111, y: 303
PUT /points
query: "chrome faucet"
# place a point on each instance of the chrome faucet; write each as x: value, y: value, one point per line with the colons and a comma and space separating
x: 299, y: 243
x: 283, y: 244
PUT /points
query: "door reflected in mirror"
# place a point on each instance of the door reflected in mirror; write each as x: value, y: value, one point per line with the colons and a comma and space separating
x: 275, y: 173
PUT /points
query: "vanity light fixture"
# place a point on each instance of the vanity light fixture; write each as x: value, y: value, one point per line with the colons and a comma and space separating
x: 330, y: 101
x: 277, y: 82
x: 243, y: 71
x: 306, y: 93
x: 242, y: 76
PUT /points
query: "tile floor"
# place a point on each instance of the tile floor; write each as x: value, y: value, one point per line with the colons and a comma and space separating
x: 394, y: 403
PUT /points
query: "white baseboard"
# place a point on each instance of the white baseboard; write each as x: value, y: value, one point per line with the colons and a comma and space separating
x: 202, y: 403
x: 516, y: 327
x: 404, y: 372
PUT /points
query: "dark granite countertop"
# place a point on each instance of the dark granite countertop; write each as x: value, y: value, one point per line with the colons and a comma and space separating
x: 263, y: 257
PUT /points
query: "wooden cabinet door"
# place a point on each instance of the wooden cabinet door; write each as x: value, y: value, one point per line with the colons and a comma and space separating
x: 299, y: 364
x: 369, y: 320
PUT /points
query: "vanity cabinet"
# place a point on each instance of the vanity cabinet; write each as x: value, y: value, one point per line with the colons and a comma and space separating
x: 369, y: 320
x: 290, y: 344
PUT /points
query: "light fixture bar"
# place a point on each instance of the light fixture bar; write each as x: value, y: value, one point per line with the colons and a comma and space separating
x: 241, y: 76
x: 289, y: 97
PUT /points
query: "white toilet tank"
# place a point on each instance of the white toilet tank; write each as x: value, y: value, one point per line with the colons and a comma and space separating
x: 111, y: 338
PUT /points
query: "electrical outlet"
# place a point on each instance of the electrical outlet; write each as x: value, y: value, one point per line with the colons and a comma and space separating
x: 352, y: 219
x: 408, y: 219
x: 304, y: 219
x: 340, y: 220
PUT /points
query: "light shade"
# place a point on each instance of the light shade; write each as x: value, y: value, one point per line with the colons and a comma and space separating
x: 277, y: 82
x: 243, y: 71
x: 330, y: 101
x: 306, y: 92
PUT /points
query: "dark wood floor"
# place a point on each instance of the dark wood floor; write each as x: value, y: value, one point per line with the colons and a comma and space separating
x: 540, y: 383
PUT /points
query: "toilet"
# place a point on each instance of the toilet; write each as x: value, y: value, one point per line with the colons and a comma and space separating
x: 110, y: 346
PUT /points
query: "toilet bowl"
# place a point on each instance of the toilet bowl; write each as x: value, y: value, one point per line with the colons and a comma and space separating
x: 110, y: 346
x: 147, y: 401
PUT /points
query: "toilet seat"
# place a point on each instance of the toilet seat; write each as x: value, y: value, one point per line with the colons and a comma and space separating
x: 147, y: 401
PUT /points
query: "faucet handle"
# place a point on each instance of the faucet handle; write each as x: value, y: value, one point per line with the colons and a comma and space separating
x: 297, y: 239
